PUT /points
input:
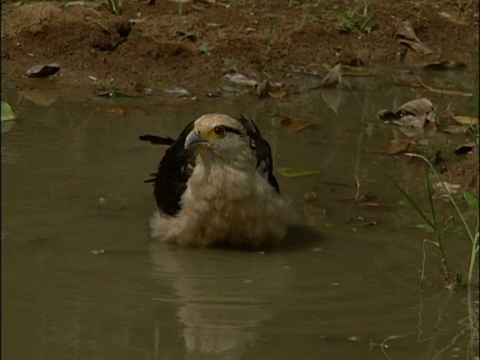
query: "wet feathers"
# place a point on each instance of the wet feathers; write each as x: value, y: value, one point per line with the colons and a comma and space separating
x: 215, y: 186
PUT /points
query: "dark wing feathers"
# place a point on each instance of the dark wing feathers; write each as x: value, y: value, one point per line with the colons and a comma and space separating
x: 262, y: 150
x: 177, y: 165
x: 157, y: 140
x: 173, y: 173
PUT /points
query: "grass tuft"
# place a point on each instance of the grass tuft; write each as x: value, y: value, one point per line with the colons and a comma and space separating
x: 438, y: 229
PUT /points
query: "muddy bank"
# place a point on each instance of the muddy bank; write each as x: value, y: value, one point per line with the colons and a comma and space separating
x: 194, y: 45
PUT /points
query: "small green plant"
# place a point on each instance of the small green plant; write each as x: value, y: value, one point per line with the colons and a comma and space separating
x: 205, y: 48
x: 114, y: 6
x: 352, y: 21
x: 370, y: 129
x: 306, y: 16
x: 383, y: 345
x: 180, y: 8
x: 271, y: 34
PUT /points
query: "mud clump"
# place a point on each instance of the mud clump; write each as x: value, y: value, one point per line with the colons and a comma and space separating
x: 156, y: 44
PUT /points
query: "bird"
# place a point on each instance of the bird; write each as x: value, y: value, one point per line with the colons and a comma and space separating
x: 215, y: 187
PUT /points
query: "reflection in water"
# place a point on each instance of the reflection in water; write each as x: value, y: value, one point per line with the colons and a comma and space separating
x: 224, y: 296
x: 433, y: 315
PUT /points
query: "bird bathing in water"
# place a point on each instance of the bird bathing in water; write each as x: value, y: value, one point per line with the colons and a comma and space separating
x: 215, y: 186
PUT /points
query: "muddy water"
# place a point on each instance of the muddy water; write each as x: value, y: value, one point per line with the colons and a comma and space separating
x: 82, y: 280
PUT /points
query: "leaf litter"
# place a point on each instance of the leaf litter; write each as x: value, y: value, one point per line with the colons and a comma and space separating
x: 466, y: 120
x: 445, y: 65
x: 240, y: 79
x: 7, y: 112
x: 399, y: 146
x: 8, y: 117
x: 312, y: 204
x: 465, y: 148
x: 409, y: 38
x: 418, y: 114
x: 265, y: 88
x: 44, y: 70
x: 333, y: 77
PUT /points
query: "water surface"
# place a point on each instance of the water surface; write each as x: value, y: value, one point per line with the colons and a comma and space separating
x: 82, y: 280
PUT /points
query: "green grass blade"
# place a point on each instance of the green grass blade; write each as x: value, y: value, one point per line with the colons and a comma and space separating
x: 430, y: 198
x: 411, y: 202
x: 450, y: 197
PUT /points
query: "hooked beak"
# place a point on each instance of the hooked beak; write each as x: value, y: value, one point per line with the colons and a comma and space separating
x: 193, y: 139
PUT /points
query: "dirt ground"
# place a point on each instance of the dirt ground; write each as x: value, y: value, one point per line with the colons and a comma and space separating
x: 192, y: 45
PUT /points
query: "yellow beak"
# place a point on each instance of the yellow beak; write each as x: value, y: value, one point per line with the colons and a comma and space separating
x: 194, y: 139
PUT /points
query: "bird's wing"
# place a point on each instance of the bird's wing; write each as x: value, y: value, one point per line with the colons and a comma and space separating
x: 262, y: 150
x: 172, y: 175
x: 157, y: 140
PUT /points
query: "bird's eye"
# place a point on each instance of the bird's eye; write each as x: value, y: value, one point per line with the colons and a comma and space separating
x: 219, y: 130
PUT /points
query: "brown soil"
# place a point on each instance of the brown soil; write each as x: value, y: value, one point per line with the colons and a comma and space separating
x: 259, y: 38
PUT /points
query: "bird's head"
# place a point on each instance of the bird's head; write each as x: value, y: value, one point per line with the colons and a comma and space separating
x: 220, y: 135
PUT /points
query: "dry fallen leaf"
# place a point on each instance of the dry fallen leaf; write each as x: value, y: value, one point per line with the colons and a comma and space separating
x: 262, y: 89
x: 177, y: 91
x: 240, y: 79
x: 398, y: 146
x: 405, y: 31
x: 333, y: 78
x: 416, y: 46
x: 312, y: 204
x: 454, y: 129
x: 444, y: 188
x: 304, y: 71
x: 414, y: 114
x: 387, y: 115
x: 42, y: 70
x: 465, y: 148
x: 277, y: 94
x: 113, y: 110
x: 7, y: 112
x: 445, y: 65
x: 409, y: 38
x: 373, y: 206
x: 466, y: 120
x: 295, y: 124
x: 411, y: 121
x: 449, y: 17
x: 292, y: 172
x: 415, y: 107
x: 358, y: 71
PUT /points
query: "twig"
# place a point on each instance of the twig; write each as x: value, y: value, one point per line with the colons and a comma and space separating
x: 446, y: 92
x: 424, y: 259
x: 357, y: 166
